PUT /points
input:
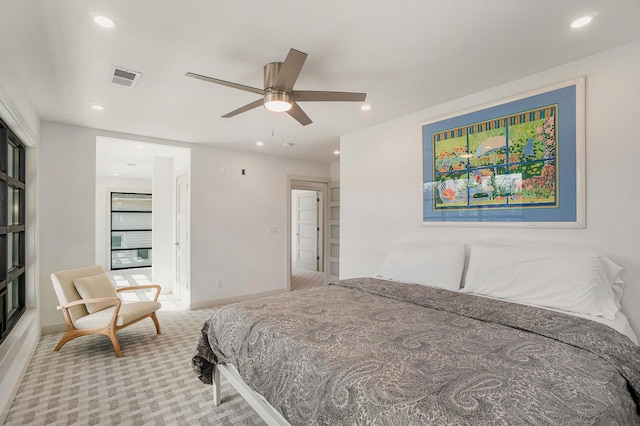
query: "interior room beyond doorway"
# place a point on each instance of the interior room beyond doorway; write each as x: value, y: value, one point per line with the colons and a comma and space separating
x: 307, y: 242
x: 138, y: 240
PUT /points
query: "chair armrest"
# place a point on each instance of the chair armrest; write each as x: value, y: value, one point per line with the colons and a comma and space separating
x: 141, y: 287
x: 116, y: 300
x: 114, y: 317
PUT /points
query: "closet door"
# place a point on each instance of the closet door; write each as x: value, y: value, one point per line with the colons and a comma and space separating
x: 333, y: 270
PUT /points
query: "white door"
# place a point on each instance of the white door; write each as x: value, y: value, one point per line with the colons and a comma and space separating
x: 306, y: 220
x: 182, y: 234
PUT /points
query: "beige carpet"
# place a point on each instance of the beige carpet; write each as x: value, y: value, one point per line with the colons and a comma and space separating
x: 152, y: 384
x: 304, y: 278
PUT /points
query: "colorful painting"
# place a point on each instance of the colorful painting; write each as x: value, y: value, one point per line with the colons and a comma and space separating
x: 515, y: 162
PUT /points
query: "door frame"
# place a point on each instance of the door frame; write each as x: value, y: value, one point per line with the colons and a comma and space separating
x: 179, y: 290
x: 312, y: 184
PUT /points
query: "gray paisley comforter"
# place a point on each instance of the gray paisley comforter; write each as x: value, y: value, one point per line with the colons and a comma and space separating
x: 372, y: 352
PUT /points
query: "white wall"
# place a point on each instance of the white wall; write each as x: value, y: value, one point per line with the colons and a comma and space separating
x: 380, y: 174
x: 230, y: 215
x: 163, y: 225
x: 67, y: 205
x: 335, y: 171
x: 16, y: 109
x: 104, y: 186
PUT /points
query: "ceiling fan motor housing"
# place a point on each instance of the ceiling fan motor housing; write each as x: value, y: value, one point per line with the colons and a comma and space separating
x: 271, y: 74
x: 275, y: 100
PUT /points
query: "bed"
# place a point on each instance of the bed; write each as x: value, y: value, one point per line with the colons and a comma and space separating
x: 379, y: 351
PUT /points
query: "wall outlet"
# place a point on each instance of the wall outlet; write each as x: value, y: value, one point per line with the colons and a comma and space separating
x: 272, y: 230
x: 219, y: 284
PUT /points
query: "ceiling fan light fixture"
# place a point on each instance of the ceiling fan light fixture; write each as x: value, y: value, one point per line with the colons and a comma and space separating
x: 278, y: 101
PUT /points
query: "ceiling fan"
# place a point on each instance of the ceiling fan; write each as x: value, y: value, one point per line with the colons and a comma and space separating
x: 278, y: 94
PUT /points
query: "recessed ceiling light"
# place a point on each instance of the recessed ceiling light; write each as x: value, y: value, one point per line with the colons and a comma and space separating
x: 104, y: 21
x: 116, y: 174
x: 365, y: 107
x: 259, y: 143
x: 97, y: 107
x: 583, y: 20
x: 336, y: 152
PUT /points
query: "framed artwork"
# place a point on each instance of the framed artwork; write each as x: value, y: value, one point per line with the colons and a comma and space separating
x: 516, y: 162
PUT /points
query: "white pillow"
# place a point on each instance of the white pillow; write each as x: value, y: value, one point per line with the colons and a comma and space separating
x: 613, y: 273
x: 95, y: 287
x: 618, y: 289
x: 436, y: 265
x: 569, y: 281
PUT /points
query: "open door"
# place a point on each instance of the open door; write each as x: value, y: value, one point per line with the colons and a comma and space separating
x: 307, y: 230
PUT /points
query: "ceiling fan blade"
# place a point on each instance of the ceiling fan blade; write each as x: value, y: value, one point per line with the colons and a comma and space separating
x: 252, y: 105
x: 320, y: 96
x: 297, y: 113
x: 227, y: 83
x: 290, y: 70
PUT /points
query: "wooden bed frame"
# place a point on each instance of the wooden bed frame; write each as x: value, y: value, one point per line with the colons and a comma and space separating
x: 269, y: 414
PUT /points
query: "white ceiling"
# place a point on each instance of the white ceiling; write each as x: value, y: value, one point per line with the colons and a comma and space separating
x: 406, y: 54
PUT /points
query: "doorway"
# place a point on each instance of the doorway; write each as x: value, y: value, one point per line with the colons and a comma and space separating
x: 132, y: 167
x: 306, y: 239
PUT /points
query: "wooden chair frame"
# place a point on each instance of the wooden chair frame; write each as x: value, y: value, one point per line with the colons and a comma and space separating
x: 111, y: 328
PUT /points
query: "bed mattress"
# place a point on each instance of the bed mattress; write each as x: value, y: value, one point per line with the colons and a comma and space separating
x: 377, y: 352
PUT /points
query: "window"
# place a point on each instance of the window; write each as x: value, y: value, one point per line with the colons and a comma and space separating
x: 130, y: 230
x: 12, y: 230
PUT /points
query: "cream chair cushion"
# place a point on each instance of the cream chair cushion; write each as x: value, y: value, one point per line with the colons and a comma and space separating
x: 128, y: 312
x: 95, y: 287
x: 66, y: 291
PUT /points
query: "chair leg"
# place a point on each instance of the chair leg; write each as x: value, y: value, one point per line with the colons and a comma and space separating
x: 72, y: 334
x: 67, y: 337
x: 115, y: 341
x: 110, y: 332
x: 155, y: 321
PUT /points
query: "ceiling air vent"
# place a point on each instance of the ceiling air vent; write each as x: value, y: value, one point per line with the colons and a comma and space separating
x: 124, y: 77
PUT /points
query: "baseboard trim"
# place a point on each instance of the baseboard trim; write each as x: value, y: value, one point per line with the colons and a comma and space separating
x: 235, y: 299
x: 55, y: 328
